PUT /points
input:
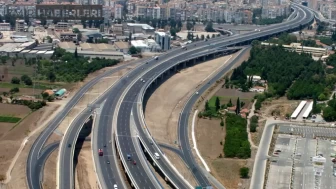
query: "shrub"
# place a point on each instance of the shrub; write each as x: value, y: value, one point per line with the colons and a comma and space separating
x: 15, y: 80
x: 244, y: 171
x: 14, y: 90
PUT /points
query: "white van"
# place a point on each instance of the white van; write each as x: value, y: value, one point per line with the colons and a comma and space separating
x: 157, y: 156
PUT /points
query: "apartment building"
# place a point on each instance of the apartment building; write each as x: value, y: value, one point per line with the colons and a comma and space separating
x: 163, y: 39
x: 20, y: 26
x: 5, y: 27
x: 62, y: 26
x: 118, y: 11
x: 67, y: 36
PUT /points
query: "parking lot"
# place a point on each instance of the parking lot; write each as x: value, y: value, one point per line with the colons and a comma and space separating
x: 308, y: 131
x: 291, y: 160
x: 280, y: 171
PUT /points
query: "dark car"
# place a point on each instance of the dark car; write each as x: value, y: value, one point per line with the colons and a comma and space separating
x: 277, y: 150
x: 69, y: 145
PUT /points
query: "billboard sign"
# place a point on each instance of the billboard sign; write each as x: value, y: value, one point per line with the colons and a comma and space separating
x: 69, y: 12
x: 21, y: 10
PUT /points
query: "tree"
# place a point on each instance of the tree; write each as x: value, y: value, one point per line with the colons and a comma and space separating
x: 230, y: 103
x: 189, y: 25
x: 130, y: 37
x: 213, y: 36
x: 15, y: 80
x: 45, y: 95
x: 76, y: 53
x: 209, y: 27
x: 217, y: 103
x: 202, y: 37
x: 208, y: 37
x: 51, y: 76
x: 0, y: 99
x: 4, y: 59
x: 133, y: 50
x: 26, y: 79
x: 222, y: 123
x: 197, y: 38
x: 238, y: 106
x: 244, y: 171
x: 173, y: 32
x: 333, y: 97
x: 207, y: 106
x: 315, y: 109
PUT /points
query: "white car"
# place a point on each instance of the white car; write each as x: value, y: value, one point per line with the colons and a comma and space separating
x: 196, y: 92
x: 143, y: 81
x: 115, y: 186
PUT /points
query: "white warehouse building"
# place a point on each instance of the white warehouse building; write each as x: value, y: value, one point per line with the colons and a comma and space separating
x: 163, y: 39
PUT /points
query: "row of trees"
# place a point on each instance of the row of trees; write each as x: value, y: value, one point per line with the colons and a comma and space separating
x: 24, y: 78
x: 309, y: 75
x: 236, y: 141
x: 69, y: 67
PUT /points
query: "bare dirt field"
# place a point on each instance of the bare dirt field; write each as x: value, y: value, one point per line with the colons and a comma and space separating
x: 23, y: 91
x: 11, y: 110
x: 15, y: 71
x: 49, y: 175
x: 227, y: 171
x: 11, y: 140
x: 270, y: 108
x: 164, y: 106
x: 211, y: 129
x: 14, y: 110
x: 233, y: 94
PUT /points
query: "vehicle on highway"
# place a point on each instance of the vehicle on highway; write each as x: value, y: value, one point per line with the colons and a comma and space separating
x: 108, y: 162
x: 128, y: 157
x: 278, y: 151
x: 182, y: 47
x: 156, y: 57
x: 69, y: 145
x: 157, y: 156
x: 134, y: 162
x: 196, y: 92
x: 100, y: 152
x: 115, y: 186
x: 104, y: 145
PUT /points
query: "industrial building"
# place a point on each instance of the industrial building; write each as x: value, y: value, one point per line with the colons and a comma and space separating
x: 298, y: 109
x: 296, y: 47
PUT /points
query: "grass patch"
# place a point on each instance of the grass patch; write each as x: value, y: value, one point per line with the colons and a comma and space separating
x: 9, y: 119
x: 37, y: 86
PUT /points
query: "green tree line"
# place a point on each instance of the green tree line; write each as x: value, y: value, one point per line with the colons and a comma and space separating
x: 281, y: 68
x: 69, y: 67
x: 236, y: 141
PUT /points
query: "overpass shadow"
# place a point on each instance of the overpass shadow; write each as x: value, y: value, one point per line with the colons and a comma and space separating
x: 82, y: 137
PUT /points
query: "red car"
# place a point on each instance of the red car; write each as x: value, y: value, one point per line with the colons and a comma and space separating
x: 134, y: 162
x: 100, y: 152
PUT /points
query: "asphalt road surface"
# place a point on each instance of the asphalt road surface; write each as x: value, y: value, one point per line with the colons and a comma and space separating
x: 66, y: 178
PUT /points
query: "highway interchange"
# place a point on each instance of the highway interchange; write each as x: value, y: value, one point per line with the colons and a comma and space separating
x: 124, y: 97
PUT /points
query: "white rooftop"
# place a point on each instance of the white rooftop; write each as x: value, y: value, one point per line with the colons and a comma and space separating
x: 161, y: 33
x: 144, y: 26
x: 139, y: 43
